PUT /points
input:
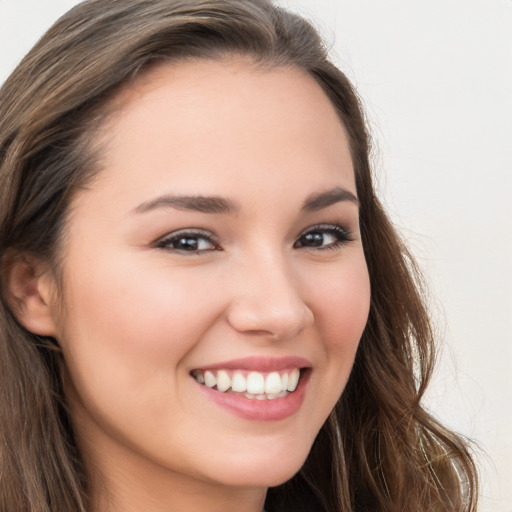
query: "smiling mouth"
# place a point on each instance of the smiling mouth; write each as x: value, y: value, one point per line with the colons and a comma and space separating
x: 251, y: 384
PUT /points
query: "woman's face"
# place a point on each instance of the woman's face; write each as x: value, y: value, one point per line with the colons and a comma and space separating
x: 216, y: 257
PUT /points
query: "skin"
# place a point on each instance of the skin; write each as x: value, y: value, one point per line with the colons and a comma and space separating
x: 140, y: 316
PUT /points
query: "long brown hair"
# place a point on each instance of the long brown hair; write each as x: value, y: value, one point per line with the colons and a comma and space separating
x: 379, y: 449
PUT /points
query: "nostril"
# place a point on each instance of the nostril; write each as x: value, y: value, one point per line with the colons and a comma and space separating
x: 267, y: 301
x: 262, y: 319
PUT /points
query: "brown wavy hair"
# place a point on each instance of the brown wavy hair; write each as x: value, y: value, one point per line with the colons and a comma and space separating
x: 379, y: 449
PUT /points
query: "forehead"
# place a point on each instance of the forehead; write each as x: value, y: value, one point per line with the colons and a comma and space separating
x: 211, y: 123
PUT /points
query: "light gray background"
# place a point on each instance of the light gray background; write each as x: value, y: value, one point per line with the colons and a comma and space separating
x: 436, y: 79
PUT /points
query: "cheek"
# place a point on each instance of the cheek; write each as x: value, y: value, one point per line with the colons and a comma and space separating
x: 124, y: 327
x: 342, y: 303
x: 126, y: 338
x: 135, y: 306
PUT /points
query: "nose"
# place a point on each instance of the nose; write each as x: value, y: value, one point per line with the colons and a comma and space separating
x: 267, y: 300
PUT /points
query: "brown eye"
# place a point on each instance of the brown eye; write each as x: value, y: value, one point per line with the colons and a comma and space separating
x: 315, y: 239
x: 188, y: 241
x: 323, y: 237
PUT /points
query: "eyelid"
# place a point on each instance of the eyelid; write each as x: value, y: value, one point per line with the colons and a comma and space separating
x: 163, y: 241
x: 345, y: 234
x: 334, y: 226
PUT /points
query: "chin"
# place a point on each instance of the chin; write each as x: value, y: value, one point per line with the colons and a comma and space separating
x: 269, y: 477
x: 270, y: 470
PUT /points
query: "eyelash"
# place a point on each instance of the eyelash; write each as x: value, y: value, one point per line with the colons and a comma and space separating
x: 190, y: 234
x: 342, y: 236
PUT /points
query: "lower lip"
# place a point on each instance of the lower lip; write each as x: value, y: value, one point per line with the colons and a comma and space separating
x: 260, y: 410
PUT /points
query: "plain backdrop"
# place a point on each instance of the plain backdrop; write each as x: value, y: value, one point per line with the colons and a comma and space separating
x: 435, y: 77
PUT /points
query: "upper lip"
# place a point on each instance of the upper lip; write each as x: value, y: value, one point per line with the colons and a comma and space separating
x: 260, y: 364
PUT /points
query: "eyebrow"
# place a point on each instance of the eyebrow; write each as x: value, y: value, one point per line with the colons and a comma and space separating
x: 221, y: 205
x: 322, y: 200
x: 200, y: 204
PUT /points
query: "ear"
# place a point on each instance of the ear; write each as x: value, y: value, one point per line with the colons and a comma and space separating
x: 30, y: 292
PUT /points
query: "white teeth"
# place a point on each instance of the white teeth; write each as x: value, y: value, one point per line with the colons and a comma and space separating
x: 293, y: 380
x: 209, y: 379
x: 238, y: 383
x: 273, y: 383
x: 223, y: 381
x: 255, y: 383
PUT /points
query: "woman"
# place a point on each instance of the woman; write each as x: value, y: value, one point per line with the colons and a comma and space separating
x: 204, y: 306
